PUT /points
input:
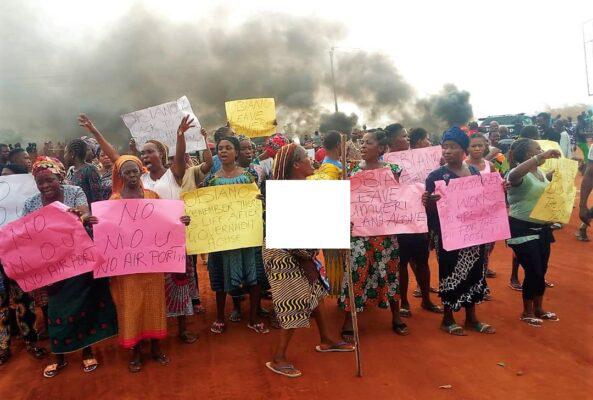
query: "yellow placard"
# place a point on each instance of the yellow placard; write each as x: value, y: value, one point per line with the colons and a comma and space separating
x: 551, y: 163
x: 252, y: 117
x: 557, y: 201
x: 223, y: 217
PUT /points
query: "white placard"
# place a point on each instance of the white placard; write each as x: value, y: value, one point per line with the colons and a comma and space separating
x: 311, y: 153
x: 161, y: 123
x: 14, y: 190
x: 308, y: 214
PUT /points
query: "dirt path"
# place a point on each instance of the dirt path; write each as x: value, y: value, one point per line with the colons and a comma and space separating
x: 556, y: 360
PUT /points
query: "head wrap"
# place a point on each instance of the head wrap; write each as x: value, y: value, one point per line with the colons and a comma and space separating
x: 162, y: 148
x: 274, y: 143
x: 51, y: 164
x: 455, y: 134
x: 92, y: 144
x: 117, y: 181
x: 283, y: 162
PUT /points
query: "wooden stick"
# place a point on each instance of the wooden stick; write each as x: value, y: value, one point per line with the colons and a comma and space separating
x: 348, y: 271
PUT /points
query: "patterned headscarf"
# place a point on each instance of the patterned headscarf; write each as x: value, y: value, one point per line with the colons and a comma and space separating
x: 455, y: 134
x: 275, y: 143
x: 284, y: 161
x: 51, y: 164
x: 117, y: 181
x: 92, y: 144
x: 163, y: 149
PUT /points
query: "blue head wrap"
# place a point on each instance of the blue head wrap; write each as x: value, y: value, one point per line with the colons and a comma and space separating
x: 455, y: 134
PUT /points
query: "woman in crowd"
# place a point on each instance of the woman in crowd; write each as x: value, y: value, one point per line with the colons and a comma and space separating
x: 413, y: 247
x: 297, y: 278
x: 105, y: 175
x: 478, y: 145
x: 331, y: 169
x: 81, y: 173
x: 530, y: 238
x: 80, y: 309
x: 233, y: 269
x: 166, y: 182
x: 374, y: 259
x: 140, y: 298
x: 462, y: 278
x: 19, y: 162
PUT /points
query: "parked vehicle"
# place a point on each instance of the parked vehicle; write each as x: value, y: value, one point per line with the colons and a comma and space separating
x: 514, y: 122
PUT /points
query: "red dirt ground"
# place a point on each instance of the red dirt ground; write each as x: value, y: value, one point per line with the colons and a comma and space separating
x: 556, y: 360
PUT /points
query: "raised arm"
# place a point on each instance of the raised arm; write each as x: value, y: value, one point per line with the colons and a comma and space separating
x: 107, y: 148
x: 517, y: 174
x: 178, y: 165
x: 208, y: 161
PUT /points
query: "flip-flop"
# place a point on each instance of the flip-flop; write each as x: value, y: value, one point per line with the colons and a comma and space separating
x: 53, y: 369
x: 452, y: 329
x: 161, y: 359
x: 582, y: 238
x: 532, y: 321
x: 516, y: 286
x: 400, y: 329
x: 549, y: 316
x: 434, y: 309
x: 259, y: 328
x: 90, y: 364
x: 481, y: 327
x: 37, y: 352
x: 188, y: 337
x: 417, y: 293
x: 218, y: 327
x: 405, y: 312
x: 283, y: 370
x: 235, y: 316
x: 336, y: 348
x: 135, y: 366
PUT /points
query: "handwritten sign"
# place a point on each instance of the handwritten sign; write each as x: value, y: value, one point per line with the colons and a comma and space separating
x: 14, y: 190
x: 161, y: 123
x: 294, y: 208
x: 472, y: 211
x: 139, y: 236
x: 551, y: 164
x: 379, y: 205
x: 223, y: 218
x: 252, y: 117
x: 416, y: 164
x: 557, y: 201
x: 46, y: 246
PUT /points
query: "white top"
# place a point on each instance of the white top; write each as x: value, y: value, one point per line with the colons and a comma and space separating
x: 166, y: 187
x: 590, y: 156
x: 565, y: 144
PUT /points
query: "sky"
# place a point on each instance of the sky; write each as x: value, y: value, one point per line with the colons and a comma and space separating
x: 512, y: 56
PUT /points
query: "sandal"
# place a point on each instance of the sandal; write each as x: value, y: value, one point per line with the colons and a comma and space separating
x: 161, y: 359
x: 339, y: 347
x: 5, y: 356
x: 348, y: 335
x: 287, y: 370
x: 548, y: 316
x: 481, y: 327
x: 532, y: 321
x: 37, y: 352
x: 135, y: 366
x: 405, y: 312
x: 188, y: 337
x: 453, y: 329
x: 218, y: 327
x: 516, y: 286
x: 235, y: 316
x: 401, y: 329
x: 433, y: 290
x: 259, y: 328
x: 582, y: 236
x: 417, y: 293
x: 434, y: 309
x: 90, y: 364
x: 53, y: 369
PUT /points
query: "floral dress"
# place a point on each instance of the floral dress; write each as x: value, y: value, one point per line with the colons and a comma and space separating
x: 375, y: 262
x: 88, y: 179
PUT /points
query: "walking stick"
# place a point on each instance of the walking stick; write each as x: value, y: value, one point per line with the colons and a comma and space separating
x: 348, y: 269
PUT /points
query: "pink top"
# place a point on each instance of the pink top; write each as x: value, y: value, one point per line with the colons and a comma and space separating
x: 486, y: 169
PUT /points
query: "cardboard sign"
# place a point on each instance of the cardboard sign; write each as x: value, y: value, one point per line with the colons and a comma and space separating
x: 379, y: 205
x: 161, y: 123
x: 472, y: 211
x: 14, y: 190
x: 557, y: 201
x: 551, y: 163
x: 308, y: 214
x: 252, y: 117
x: 139, y: 236
x: 46, y: 246
x: 416, y: 164
x: 223, y: 217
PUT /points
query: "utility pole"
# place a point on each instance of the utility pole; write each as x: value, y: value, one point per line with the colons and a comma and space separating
x: 331, y: 62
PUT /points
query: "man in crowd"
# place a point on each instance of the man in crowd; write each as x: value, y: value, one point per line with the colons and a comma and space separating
x: 543, y: 122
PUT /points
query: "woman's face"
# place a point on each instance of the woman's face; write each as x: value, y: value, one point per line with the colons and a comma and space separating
x: 302, y: 163
x: 90, y: 156
x: 246, y: 153
x: 422, y: 143
x: 370, y: 149
x: 534, y: 150
x: 227, y: 152
x: 105, y: 161
x: 24, y: 160
x: 401, y: 141
x: 48, y: 184
x: 452, y: 152
x: 477, y: 146
x: 151, y: 158
x: 130, y: 174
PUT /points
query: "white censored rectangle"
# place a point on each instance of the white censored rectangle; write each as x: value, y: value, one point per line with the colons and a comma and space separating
x: 308, y: 214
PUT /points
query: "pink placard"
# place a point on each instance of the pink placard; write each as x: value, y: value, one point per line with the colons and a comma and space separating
x: 46, y: 246
x: 472, y: 211
x: 139, y: 236
x: 416, y: 164
x: 379, y: 205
